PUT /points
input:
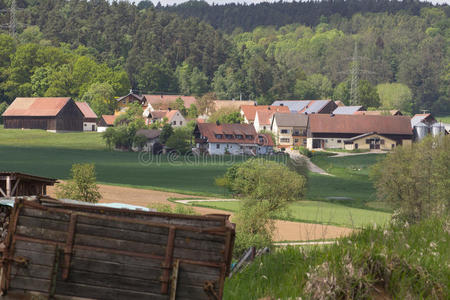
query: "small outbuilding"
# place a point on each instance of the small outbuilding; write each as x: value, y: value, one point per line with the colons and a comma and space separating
x: 51, y: 114
x: 14, y: 184
x: 90, y: 118
x: 105, y: 122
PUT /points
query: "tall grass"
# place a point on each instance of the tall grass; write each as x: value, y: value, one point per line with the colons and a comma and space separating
x: 399, y: 261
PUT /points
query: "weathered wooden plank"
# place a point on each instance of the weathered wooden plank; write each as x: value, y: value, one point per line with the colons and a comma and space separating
x: 134, y: 271
x: 112, y: 281
x: 198, y: 255
x: 97, y: 292
x: 189, y: 243
x: 45, y: 214
x: 30, y: 284
x: 36, y: 247
x: 86, y: 240
x: 210, y: 271
x: 41, y: 233
x: 37, y: 258
x: 191, y: 292
x: 117, y: 258
x: 201, y: 236
x: 187, y: 277
x: 32, y: 271
x: 122, y: 234
x: 27, y: 221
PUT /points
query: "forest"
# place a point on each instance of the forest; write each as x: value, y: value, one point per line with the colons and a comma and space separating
x: 397, y: 52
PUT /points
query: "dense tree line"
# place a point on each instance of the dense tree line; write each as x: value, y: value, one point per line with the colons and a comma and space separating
x: 86, y: 49
x: 246, y: 17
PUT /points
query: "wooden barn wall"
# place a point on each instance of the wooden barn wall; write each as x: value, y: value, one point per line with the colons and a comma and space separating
x: 46, y: 123
x: 70, y: 118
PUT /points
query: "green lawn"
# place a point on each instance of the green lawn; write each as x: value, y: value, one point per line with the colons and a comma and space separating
x: 444, y: 119
x: 319, y: 212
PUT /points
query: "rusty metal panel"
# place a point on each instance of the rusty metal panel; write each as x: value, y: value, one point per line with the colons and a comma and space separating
x: 61, y: 249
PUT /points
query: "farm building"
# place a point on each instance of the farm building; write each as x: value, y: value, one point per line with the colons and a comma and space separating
x: 152, y: 143
x: 249, y: 111
x: 51, y: 114
x: 14, y: 184
x: 234, y: 139
x: 376, y: 132
x: 174, y: 117
x: 124, y: 101
x: 105, y: 122
x: 229, y: 104
x: 90, y: 118
x: 424, y: 124
x: 308, y: 107
x: 289, y: 129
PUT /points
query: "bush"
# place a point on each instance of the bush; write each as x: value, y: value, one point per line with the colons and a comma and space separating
x: 305, y: 151
x: 82, y: 185
x: 415, y: 179
x: 177, y: 209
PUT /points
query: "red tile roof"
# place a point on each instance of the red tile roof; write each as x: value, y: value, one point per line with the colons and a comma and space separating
x: 250, y: 110
x: 359, y: 124
x: 86, y: 110
x: 265, y: 139
x: 36, y: 107
x: 163, y: 101
x: 232, y: 104
x: 210, y: 130
x: 393, y: 112
x: 109, y: 119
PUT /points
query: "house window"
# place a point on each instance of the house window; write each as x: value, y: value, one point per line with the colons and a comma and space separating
x: 285, y: 131
x: 217, y: 146
x: 367, y: 141
x: 218, y: 136
x: 241, y: 147
x: 239, y: 136
x: 174, y: 122
x: 285, y: 140
x: 392, y: 146
x: 296, y: 141
x: 382, y: 142
x: 228, y: 136
x: 304, y: 142
x: 264, y: 127
x: 249, y: 137
x: 181, y: 122
x: 85, y: 124
x: 339, y: 141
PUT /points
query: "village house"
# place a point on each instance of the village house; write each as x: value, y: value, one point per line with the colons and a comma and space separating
x: 424, y: 124
x: 152, y: 143
x: 229, y: 104
x: 90, y: 118
x: 105, y: 122
x: 348, y: 110
x: 15, y: 184
x: 308, y: 107
x: 233, y: 139
x: 358, y: 132
x: 248, y: 112
x: 289, y: 129
x: 172, y: 116
x: 56, y: 114
x: 125, y: 101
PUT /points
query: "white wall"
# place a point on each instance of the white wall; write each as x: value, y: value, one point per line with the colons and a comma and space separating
x: 101, y: 129
x: 232, y: 149
x: 87, y: 126
x: 179, y: 119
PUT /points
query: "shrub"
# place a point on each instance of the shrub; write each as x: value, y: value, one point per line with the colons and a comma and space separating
x: 82, y: 185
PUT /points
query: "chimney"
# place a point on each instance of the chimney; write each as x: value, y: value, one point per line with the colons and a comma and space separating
x: 268, y: 107
x: 217, y: 122
x: 281, y: 104
x: 331, y: 115
x: 169, y: 109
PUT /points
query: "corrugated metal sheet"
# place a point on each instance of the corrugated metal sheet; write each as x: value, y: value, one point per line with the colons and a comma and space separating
x: 36, y: 107
x: 293, y: 105
x: 347, y: 110
x: 358, y: 124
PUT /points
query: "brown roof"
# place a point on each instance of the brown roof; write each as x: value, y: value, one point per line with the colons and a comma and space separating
x: 36, y: 107
x: 165, y: 100
x: 265, y: 139
x: 209, y: 130
x: 170, y: 114
x: 149, y: 133
x: 158, y: 114
x: 291, y: 119
x: 47, y: 180
x: 250, y: 110
x: 233, y: 104
x: 359, y: 124
x: 86, y: 110
x: 378, y: 112
x: 109, y: 119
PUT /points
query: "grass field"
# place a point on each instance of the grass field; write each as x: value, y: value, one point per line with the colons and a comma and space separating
x: 49, y: 154
x: 318, y: 212
x: 444, y: 119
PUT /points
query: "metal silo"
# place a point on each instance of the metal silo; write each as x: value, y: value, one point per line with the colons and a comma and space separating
x: 421, y: 131
x: 437, y: 129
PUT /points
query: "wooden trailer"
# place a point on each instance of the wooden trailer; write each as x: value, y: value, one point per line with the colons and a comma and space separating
x: 59, y: 250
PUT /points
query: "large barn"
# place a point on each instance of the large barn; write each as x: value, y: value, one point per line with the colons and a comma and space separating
x: 52, y: 114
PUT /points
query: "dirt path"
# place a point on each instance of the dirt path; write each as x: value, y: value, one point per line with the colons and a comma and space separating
x: 294, y: 154
x: 286, y: 230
